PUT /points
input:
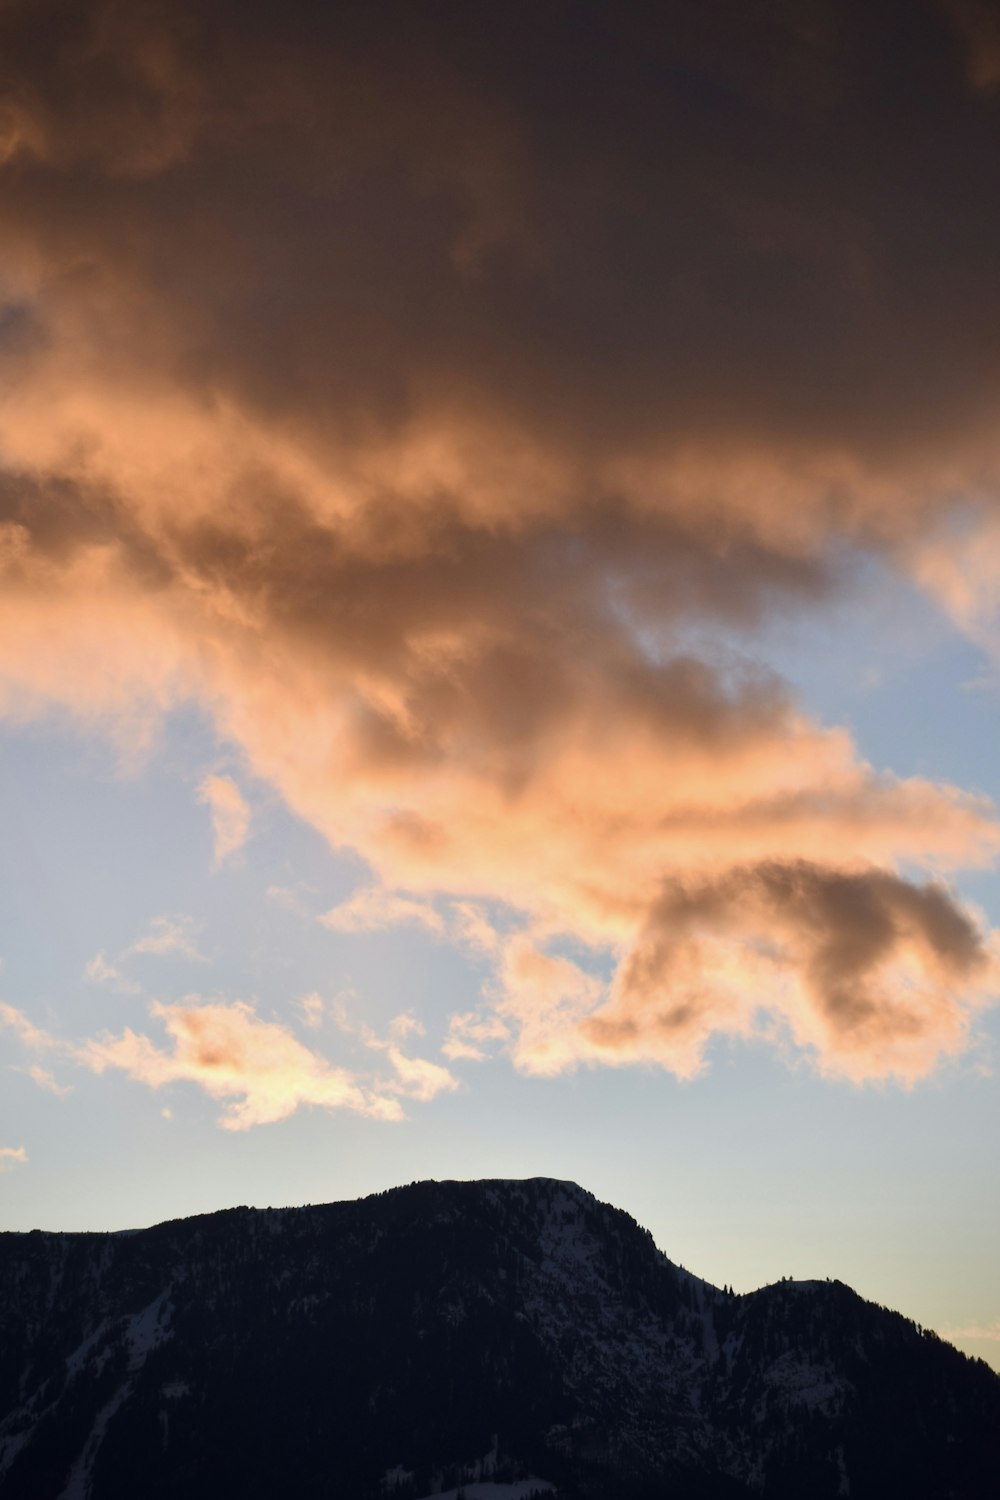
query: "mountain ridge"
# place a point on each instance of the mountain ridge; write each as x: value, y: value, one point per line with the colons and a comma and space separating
x: 414, y: 1331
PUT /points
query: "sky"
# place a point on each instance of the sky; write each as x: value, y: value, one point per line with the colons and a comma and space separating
x: 500, y: 619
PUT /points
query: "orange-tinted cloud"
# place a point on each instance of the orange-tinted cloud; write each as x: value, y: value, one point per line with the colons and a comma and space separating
x: 259, y: 1066
x: 877, y: 977
x: 313, y: 1010
x: 99, y: 970
x: 419, y: 1077
x: 371, y: 909
x: 167, y: 937
x: 230, y: 815
x: 470, y: 1033
x: 415, y: 422
x: 46, y: 1080
x: 36, y: 1038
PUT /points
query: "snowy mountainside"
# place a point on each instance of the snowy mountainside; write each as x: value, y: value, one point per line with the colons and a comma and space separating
x: 460, y: 1335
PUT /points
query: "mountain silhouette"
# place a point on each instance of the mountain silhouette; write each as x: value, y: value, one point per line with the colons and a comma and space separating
x: 491, y: 1337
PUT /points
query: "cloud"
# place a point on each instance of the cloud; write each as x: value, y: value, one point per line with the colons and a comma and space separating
x: 230, y: 816
x: 227, y: 1050
x: 100, y: 971
x: 472, y: 928
x: 289, y: 900
x: 468, y: 1030
x: 47, y: 1081
x: 313, y: 1009
x: 419, y: 1078
x: 875, y: 976
x: 168, y: 937
x: 372, y: 908
x: 415, y: 1077
x: 422, y: 454
x: 455, y: 1049
x: 406, y: 1024
x: 988, y: 1331
x: 260, y: 1067
x: 12, y: 1156
x: 545, y: 1000
x: 34, y: 1037
x: 865, y: 973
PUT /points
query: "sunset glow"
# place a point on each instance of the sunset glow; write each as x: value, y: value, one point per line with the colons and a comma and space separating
x: 499, y: 620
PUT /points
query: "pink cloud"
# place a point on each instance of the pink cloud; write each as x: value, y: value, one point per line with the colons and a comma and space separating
x: 262, y: 1070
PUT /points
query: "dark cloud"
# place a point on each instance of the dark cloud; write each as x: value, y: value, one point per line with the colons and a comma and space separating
x: 673, y: 222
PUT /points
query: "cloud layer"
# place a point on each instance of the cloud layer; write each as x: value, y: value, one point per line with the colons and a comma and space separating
x: 411, y: 387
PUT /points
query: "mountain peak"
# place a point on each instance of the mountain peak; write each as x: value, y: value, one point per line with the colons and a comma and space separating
x: 450, y: 1333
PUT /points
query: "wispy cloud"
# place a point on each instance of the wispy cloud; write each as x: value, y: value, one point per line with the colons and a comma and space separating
x: 39, y: 1041
x: 48, y: 1081
x: 230, y: 816
x: 313, y: 1010
x: 415, y: 1077
x: 373, y: 909
x: 469, y: 1033
x: 419, y: 1077
x: 259, y: 1066
x: 471, y: 927
x: 291, y: 899
x: 36, y: 1038
x: 12, y: 1156
x: 232, y: 1054
x: 168, y: 937
x: 990, y: 1332
x: 101, y: 971
x: 406, y: 1024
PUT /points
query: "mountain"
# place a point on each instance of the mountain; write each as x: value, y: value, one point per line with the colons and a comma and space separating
x: 452, y: 1332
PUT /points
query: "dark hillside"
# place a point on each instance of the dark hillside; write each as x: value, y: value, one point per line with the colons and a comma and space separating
x: 447, y: 1332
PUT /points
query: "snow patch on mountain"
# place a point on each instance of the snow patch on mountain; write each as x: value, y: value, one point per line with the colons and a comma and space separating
x: 78, y: 1484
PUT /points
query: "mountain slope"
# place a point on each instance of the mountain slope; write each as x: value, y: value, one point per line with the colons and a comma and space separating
x: 447, y: 1332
